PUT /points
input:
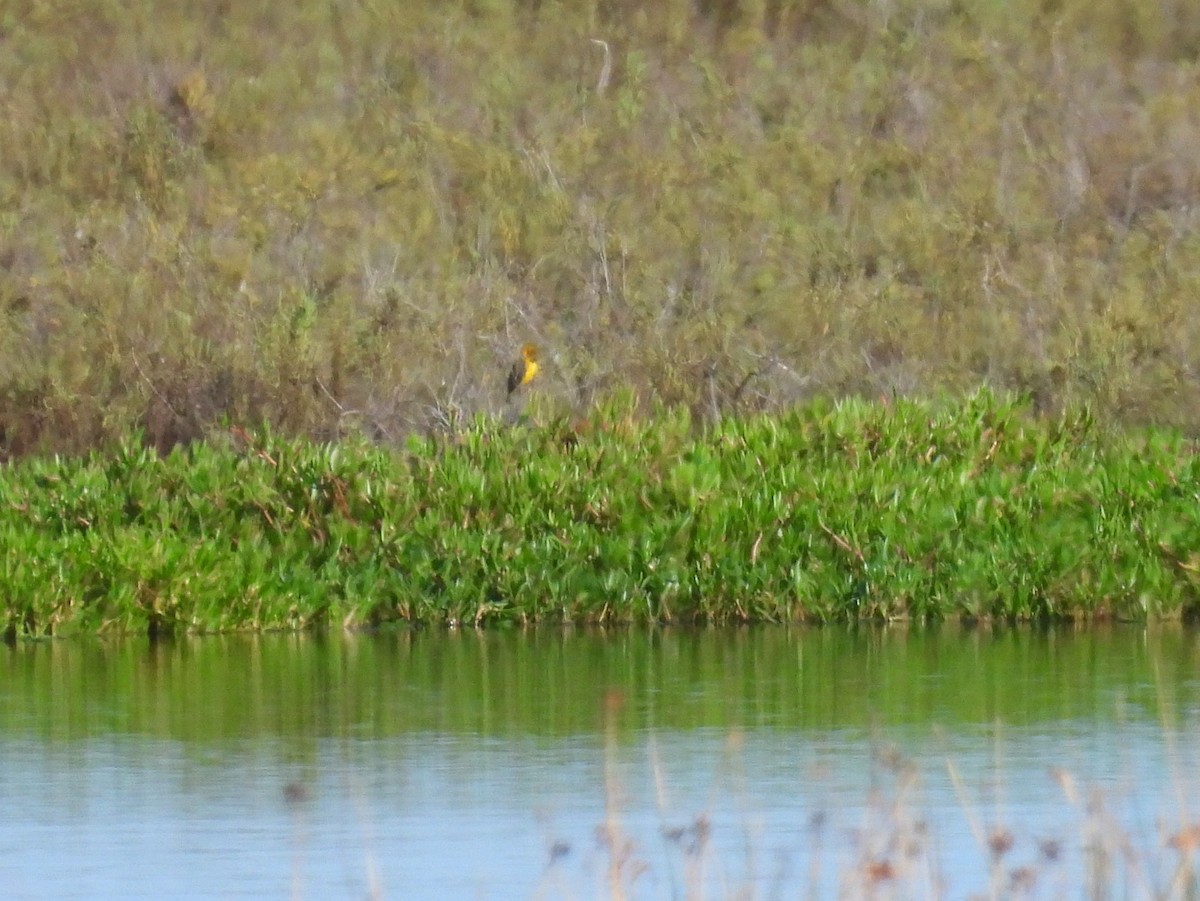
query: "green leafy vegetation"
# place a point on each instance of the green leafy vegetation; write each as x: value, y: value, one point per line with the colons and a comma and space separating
x: 833, y: 512
x: 345, y: 218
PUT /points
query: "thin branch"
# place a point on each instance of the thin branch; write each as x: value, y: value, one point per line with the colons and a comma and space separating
x: 605, y: 69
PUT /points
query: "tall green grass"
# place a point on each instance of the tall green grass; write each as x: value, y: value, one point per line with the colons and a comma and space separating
x: 832, y: 512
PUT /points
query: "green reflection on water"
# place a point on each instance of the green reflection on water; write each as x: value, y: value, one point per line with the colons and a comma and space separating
x: 551, y: 683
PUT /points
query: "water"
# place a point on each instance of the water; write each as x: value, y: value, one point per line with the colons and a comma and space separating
x: 756, y: 763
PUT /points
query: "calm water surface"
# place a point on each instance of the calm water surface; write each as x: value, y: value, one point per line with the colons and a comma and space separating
x: 759, y: 763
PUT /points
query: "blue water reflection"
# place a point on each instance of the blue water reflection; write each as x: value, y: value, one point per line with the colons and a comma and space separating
x: 137, y: 786
x: 763, y: 813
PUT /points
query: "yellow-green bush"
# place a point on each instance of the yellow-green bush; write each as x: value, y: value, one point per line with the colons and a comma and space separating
x: 342, y: 218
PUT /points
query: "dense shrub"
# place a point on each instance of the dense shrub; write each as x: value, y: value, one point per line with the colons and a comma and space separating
x: 344, y: 218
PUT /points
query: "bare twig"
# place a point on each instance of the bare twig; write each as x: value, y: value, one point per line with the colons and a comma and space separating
x: 605, y: 69
x: 166, y: 403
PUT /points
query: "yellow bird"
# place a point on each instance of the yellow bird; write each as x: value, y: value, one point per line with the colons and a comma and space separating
x: 524, y: 369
